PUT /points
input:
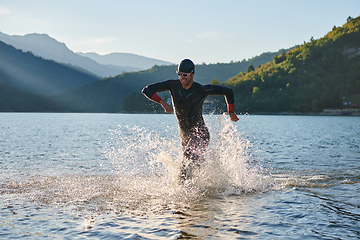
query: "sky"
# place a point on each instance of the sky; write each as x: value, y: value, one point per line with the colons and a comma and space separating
x: 204, y: 31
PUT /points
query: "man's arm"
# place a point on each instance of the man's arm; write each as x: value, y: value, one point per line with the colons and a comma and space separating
x: 233, y: 117
x: 229, y: 97
x: 151, y: 90
x: 167, y: 107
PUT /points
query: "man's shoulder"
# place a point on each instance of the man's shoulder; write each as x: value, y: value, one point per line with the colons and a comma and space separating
x: 198, y: 85
x: 202, y: 87
x: 174, y: 82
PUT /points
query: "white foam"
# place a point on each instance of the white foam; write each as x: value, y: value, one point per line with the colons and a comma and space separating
x: 146, y: 169
x: 228, y: 168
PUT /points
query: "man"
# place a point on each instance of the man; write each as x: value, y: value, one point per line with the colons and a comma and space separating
x: 188, y: 98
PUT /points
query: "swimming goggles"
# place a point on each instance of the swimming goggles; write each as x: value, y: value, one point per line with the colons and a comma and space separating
x: 184, y: 74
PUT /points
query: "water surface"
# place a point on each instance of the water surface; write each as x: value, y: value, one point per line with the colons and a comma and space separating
x: 92, y: 176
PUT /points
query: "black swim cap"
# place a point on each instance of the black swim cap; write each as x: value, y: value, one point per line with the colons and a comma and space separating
x: 186, y: 66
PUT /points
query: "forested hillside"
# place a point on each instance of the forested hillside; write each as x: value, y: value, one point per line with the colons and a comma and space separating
x: 316, y: 75
x: 107, y: 95
x: 14, y: 100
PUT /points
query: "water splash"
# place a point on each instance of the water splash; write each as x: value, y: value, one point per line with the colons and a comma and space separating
x: 228, y: 168
x: 145, y: 174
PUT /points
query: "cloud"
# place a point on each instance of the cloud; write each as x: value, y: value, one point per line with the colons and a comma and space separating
x: 208, y: 34
x: 91, y: 44
x: 4, y: 11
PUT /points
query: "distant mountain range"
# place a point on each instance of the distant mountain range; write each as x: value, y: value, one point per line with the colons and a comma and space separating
x: 49, y: 48
x: 125, y: 59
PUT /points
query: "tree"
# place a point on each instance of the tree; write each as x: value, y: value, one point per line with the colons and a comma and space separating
x: 250, y: 68
x: 215, y: 82
x: 275, y: 59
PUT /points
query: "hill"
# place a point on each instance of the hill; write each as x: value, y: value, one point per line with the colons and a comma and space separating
x: 317, y: 75
x: 106, y: 95
x: 49, y: 48
x: 125, y: 60
x: 27, y: 72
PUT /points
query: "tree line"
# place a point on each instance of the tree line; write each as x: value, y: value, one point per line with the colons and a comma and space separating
x: 15, y: 100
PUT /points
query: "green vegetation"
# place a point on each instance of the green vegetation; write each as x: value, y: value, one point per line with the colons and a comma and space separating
x: 14, y: 100
x: 136, y: 102
x: 308, y: 78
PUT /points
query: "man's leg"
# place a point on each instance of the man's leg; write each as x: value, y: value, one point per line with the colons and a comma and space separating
x: 195, y: 150
x: 194, y: 154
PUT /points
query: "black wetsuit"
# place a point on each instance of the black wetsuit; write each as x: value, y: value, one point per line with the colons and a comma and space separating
x: 188, y: 104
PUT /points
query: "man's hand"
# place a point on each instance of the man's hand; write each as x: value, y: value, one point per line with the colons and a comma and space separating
x: 167, y: 107
x: 233, y: 117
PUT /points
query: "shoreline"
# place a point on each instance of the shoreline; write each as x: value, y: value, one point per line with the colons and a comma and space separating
x: 343, y: 113
x: 307, y: 114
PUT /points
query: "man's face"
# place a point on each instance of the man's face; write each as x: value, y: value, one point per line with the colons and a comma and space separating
x: 186, y: 81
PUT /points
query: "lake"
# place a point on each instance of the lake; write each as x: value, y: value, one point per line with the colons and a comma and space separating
x: 116, y: 176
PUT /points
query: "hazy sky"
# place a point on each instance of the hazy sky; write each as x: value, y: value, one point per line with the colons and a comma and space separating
x: 205, y: 31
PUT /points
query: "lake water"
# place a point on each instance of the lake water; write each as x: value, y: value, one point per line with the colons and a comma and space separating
x: 115, y: 176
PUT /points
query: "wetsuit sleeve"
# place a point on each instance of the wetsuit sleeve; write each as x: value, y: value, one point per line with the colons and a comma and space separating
x: 150, y: 91
x: 220, y: 90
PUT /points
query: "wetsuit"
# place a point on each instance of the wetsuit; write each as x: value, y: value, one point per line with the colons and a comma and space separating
x: 188, y: 104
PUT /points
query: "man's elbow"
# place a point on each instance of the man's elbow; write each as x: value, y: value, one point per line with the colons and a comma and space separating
x: 145, y: 90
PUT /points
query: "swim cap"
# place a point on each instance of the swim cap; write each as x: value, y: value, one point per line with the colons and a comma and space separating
x: 186, y: 66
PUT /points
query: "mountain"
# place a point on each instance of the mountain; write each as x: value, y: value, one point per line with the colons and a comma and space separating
x: 27, y: 72
x: 48, y: 48
x: 125, y: 59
